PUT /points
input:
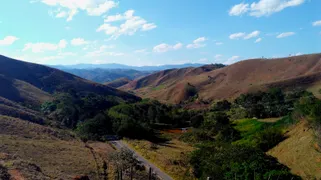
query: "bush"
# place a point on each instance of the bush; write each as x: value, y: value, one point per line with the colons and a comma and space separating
x: 197, y: 121
x: 269, y: 138
x: 224, y: 161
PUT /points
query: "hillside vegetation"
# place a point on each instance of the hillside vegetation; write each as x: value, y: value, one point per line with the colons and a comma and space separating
x: 32, y: 83
x: 231, y: 81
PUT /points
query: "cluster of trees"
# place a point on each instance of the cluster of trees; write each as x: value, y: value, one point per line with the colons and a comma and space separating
x: 70, y: 108
x: 225, y: 161
x: 309, y: 107
x: 94, y: 116
x: 220, y: 154
x: 274, y: 103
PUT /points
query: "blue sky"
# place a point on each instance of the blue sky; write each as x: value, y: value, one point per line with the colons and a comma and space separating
x: 155, y: 32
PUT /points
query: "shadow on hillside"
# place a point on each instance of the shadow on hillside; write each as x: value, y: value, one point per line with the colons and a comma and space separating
x: 8, y: 90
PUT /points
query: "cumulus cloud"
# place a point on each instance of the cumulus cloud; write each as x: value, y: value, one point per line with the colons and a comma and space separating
x: 131, y: 25
x: 239, y: 9
x: 161, y: 48
x: 197, y: 43
x: 149, y: 26
x: 252, y: 35
x: 316, y: 23
x: 285, y: 34
x: 79, y: 42
x: 8, y: 40
x: 243, y: 35
x: 263, y: 7
x: 258, y: 40
x: 42, y: 47
x: 69, y: 8
x: 232, y: 60
x: 237, y: 35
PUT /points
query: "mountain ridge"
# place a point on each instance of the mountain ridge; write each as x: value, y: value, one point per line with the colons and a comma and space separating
x: 231, y: 81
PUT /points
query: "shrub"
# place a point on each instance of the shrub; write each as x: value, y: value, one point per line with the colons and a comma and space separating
x: 269, y: 138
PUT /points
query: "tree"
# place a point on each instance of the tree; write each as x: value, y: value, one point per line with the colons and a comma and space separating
x: 124, y: 160
x: 197, y: 121
x: 95, y: 129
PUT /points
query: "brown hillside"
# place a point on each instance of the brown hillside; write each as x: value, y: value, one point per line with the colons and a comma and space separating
x: 231, y: 81
x: 35, y: 152
x: 118, y: 82
x: 32, y: 83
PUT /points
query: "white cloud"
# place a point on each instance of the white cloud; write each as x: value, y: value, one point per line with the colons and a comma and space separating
x: 149, y: 26
x: 114, y: 18
x: 197, y: 43
x: 72, y: 7
x: 239, y: 9
x: 131, y: 25
x: 140, y: 51
x: 258, y: 40
x: 102, y: 52
x: 218, y: 43
x: 252, y: 35
x: 232, y: 60
x: 218, y: 56
x: 285, y: 34
x: 237, y: 35
x: 8, y: 40
x: 42, y: 47
x: 62, y: 44
x: 161, y: 48
x: 108, y: 29
x: 79, y: 42
x: 263, y: 7
x: 101, y: 9
x: 61, y: 14
x: 199, y: 40
x: 243, y: 35
x: 177, y: 46
x: 202, y: 60
x: 317, y: 23
x: 298, y: 54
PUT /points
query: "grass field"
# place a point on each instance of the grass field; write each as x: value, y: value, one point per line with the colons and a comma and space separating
x: 57, y: 154
x: 170, y: 157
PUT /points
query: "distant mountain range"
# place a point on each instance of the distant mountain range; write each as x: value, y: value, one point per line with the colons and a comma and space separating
x: 107, y: 75
x: 122, y: 66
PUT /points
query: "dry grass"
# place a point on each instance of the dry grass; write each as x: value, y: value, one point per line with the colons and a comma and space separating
x: 229, y: 82
x: 57, y: 153
x: 170, y: 157
x: 298, y: 152
x: 269, y: 120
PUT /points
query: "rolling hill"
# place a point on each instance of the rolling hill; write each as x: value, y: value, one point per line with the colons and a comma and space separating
x: 33, y: 84
x: 118, y: 82
x: 229, y: 82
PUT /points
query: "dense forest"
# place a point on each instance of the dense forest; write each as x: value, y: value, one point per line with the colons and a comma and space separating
x: 222, y: 150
